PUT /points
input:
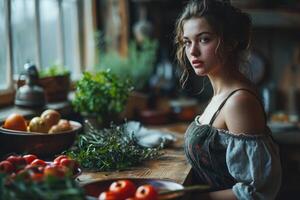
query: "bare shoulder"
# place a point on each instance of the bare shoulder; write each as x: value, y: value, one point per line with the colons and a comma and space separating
x: 244, y: 113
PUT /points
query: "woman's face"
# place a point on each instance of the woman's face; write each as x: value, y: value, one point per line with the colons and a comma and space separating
x: 200, y: 46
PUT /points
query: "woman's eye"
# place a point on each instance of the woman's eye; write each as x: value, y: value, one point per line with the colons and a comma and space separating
x: 204, y: 40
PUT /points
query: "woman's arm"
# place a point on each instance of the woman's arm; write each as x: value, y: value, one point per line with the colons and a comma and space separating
x: 218, y: 195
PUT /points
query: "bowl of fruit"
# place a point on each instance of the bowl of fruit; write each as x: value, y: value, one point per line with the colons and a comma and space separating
x: 45, y: 135
x: 36, y: 168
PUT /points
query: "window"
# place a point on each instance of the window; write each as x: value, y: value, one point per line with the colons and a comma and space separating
x: 72, y: 56
x: 44, y: 32
x: 4, y: 83
x: 24, y: 44
x: 50, y: 32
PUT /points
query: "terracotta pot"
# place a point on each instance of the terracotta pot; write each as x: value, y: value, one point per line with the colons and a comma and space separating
x: 56, y: 87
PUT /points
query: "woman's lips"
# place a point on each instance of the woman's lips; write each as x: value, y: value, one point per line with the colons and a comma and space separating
x: 197, y: 63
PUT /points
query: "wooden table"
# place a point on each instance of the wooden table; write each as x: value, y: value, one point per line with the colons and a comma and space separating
x: 172, y: 165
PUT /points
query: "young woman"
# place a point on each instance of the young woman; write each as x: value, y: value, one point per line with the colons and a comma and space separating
x: 229, y: 146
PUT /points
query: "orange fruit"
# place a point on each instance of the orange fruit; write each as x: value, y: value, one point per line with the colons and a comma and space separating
x: 15, y: 122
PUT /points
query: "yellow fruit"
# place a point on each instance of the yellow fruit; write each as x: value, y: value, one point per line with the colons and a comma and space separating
x: 50, y: 117
x: 38, y: 125
x: 63, y: 125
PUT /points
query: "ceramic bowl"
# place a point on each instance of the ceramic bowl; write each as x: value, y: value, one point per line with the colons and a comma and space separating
x: 94, y: 188
x: 40, y: 144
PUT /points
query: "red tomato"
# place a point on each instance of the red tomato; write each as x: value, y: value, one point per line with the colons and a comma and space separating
x: 34, y: 169
x: 69, y: 163
x: 29, y: 158
x: 58, y: 159
x: 108, y: 195
x: 38, y: 162
x: 123, y: 188
x: 65, y: 170
x: 54, y: 171
x: 18, y: 161
x: 146, y: 192
x: 6, y: 167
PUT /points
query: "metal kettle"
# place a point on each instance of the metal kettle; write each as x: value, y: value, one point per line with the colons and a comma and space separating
x: 30, y: 94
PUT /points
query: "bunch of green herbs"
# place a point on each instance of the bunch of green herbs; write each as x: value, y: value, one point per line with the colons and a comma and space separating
x: 102, y: 94
x: 51, y: 188
x: 110, y: 149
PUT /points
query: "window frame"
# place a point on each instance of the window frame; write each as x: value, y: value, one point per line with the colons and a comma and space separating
x: 84, y: 38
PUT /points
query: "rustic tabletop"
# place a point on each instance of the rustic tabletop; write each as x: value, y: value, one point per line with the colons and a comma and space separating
x: 172, y: 165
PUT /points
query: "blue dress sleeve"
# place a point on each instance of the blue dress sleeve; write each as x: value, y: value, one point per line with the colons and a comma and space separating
x: 255, y: 164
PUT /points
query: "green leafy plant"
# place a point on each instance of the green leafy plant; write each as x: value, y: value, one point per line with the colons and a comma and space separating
x: 50, y: 188
x: 54, y: 70
x: 110, y: 149
x: 102, y: 94
x: 138, y: 64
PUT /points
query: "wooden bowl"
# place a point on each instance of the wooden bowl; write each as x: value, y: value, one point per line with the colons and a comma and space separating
x: 40, y: 144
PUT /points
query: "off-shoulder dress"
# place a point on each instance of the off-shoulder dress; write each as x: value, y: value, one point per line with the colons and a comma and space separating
x: 247, y: 163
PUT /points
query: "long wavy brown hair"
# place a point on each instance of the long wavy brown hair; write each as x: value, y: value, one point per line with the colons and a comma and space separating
x: 232, y: 26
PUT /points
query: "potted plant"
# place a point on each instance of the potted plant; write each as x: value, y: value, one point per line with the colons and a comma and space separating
x: 138, y: 65
x: 56, y: 82
x: 100, y: 97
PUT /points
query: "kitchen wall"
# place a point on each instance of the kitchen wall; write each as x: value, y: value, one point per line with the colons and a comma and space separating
x: 275, y: 35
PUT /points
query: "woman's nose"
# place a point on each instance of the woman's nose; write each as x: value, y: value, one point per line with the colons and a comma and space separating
x: 194, y: 50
